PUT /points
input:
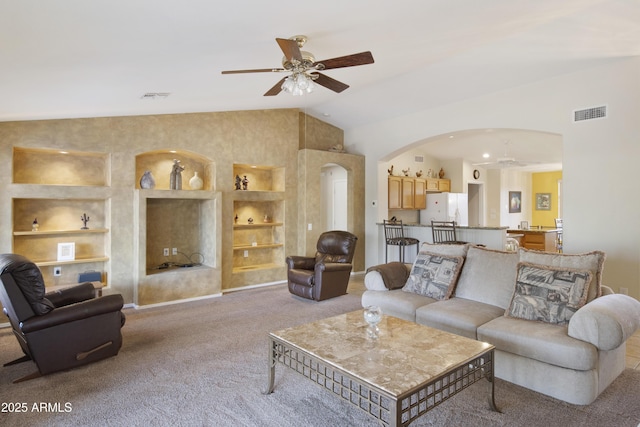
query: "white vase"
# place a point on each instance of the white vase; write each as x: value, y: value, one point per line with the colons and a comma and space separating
x: 195, y: 182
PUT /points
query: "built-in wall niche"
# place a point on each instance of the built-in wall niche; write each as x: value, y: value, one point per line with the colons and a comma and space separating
x: 188, y: 221
x: 160, y: 164
x: 60, y: 167
x: 259, y: 178
x: 180, y: 224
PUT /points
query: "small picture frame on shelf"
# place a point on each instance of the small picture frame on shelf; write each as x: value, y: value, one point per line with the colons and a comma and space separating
x: 524, y: 225
x: 66, y: 251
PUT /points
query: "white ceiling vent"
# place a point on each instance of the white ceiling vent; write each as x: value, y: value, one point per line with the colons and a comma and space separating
x: 155, y: 95
x: 419, y: 159
x: 590, y: 114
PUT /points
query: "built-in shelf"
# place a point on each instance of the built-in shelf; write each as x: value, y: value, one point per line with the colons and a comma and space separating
x: 59, y: 232
x: 262, y: 200
x: 63, y: 190
x: 75, y: 261
x: 258, y: 246
x: 258, y: 225
x: 257, y: 267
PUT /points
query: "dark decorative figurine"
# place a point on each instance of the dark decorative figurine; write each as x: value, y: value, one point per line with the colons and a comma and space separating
x: 238, y: 182
x: 85, y: 219
x: 245, y: 183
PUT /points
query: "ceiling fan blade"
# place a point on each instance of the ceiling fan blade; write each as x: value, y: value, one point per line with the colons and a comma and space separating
x: 361, y: 58
x: 259, y: 70
x: 330, y: 83
x: 290, y: 49
x: 275, y: 89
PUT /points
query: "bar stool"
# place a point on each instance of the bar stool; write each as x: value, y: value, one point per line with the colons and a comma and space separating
x: 394, y: 236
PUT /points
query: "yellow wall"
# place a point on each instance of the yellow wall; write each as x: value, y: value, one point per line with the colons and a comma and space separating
x: 545, y: 182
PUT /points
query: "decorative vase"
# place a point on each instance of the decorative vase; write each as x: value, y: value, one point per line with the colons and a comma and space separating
x: 373, y: 315
x: 441, y: 173
x: 147, y: 181
x: 195, y: 182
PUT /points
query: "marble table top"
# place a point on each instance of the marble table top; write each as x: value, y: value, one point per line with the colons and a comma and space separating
x: 404, y: 355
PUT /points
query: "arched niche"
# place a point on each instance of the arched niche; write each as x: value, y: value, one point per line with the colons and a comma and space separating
x: 160, y: 163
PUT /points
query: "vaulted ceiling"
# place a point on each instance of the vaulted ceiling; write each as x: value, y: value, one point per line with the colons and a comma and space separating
x: 76, y: 58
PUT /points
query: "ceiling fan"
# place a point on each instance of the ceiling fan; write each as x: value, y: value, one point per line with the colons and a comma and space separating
x: 505, y: 162
x: 305, y: 69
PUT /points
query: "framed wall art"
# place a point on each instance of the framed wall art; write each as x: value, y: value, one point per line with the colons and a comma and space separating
x: 515, y: 201
x: 66, y: 251
x: 543, y: 201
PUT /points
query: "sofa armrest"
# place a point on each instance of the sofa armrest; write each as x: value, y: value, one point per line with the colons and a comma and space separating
x: 70, y: 313
x: 387, y: 276
x: 301, y: 262
x: 606, y: 322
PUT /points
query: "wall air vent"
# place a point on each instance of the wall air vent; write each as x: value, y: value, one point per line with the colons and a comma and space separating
x: 590, y: 114
x: 155, y: 95
x: 419, y: 159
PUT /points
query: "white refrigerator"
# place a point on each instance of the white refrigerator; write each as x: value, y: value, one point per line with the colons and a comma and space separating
x: 446, y: 207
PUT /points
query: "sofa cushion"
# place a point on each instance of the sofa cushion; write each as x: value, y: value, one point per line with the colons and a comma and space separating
x: 488, y: 276
x: 544, y: 342
x: 445, y: 249
x: 592, y: 261
x: 396, y: 303
x: 548, y: 294
x: 434, y: 275
x: 458, y: 315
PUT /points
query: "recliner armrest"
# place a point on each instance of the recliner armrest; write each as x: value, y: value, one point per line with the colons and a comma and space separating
x: 70, y: 313
x: 82, y: 292
x: 607, y: 321
x: 333, y: 266
x: 301, y: 262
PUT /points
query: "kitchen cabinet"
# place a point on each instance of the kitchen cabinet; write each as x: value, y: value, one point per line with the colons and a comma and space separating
x: 438, y: 185
x: 407, y: 193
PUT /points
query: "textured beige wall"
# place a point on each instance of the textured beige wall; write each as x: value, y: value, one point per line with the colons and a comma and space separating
x: 264, y: 137
x: 318, y: 135
x: 310, y: 163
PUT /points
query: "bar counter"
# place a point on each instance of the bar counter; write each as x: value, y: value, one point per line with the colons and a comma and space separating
x: 491, y: 237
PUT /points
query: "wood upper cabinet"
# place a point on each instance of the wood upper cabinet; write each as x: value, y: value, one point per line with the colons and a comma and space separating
x: 420, y: 201
x: 438, y: 185
x: 395, y: 192
x: 407, y: 193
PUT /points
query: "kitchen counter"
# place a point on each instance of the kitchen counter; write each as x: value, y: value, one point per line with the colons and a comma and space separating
x: 491, y: 237
x: 545, y: 239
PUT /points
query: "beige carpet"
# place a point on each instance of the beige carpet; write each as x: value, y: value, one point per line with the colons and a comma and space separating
x: 205, y: 364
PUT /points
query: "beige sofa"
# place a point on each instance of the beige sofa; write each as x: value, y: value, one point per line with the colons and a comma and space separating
x: 570, y: 346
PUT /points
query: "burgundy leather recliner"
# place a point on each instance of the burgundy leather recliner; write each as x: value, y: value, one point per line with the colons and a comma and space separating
x: 327, y: 274
x: 58, y: 330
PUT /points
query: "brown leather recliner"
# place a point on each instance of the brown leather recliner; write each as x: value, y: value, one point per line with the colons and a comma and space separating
x: 59, y: 330
x: 327, y: 274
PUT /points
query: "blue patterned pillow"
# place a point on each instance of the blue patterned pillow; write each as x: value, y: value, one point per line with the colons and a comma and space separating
x: 548, y: 294
x: 434, y: 276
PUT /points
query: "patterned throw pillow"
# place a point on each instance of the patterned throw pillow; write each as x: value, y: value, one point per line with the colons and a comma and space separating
x: 434, y: 276
x: 548, y: 294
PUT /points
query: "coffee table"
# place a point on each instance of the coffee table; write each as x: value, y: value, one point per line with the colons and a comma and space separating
x: 399, y: 376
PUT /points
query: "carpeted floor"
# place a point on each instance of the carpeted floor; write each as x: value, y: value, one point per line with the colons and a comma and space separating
x: 205, y: 364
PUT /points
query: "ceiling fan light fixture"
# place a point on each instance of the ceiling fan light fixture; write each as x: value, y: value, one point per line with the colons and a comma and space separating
x: 298, y: 84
